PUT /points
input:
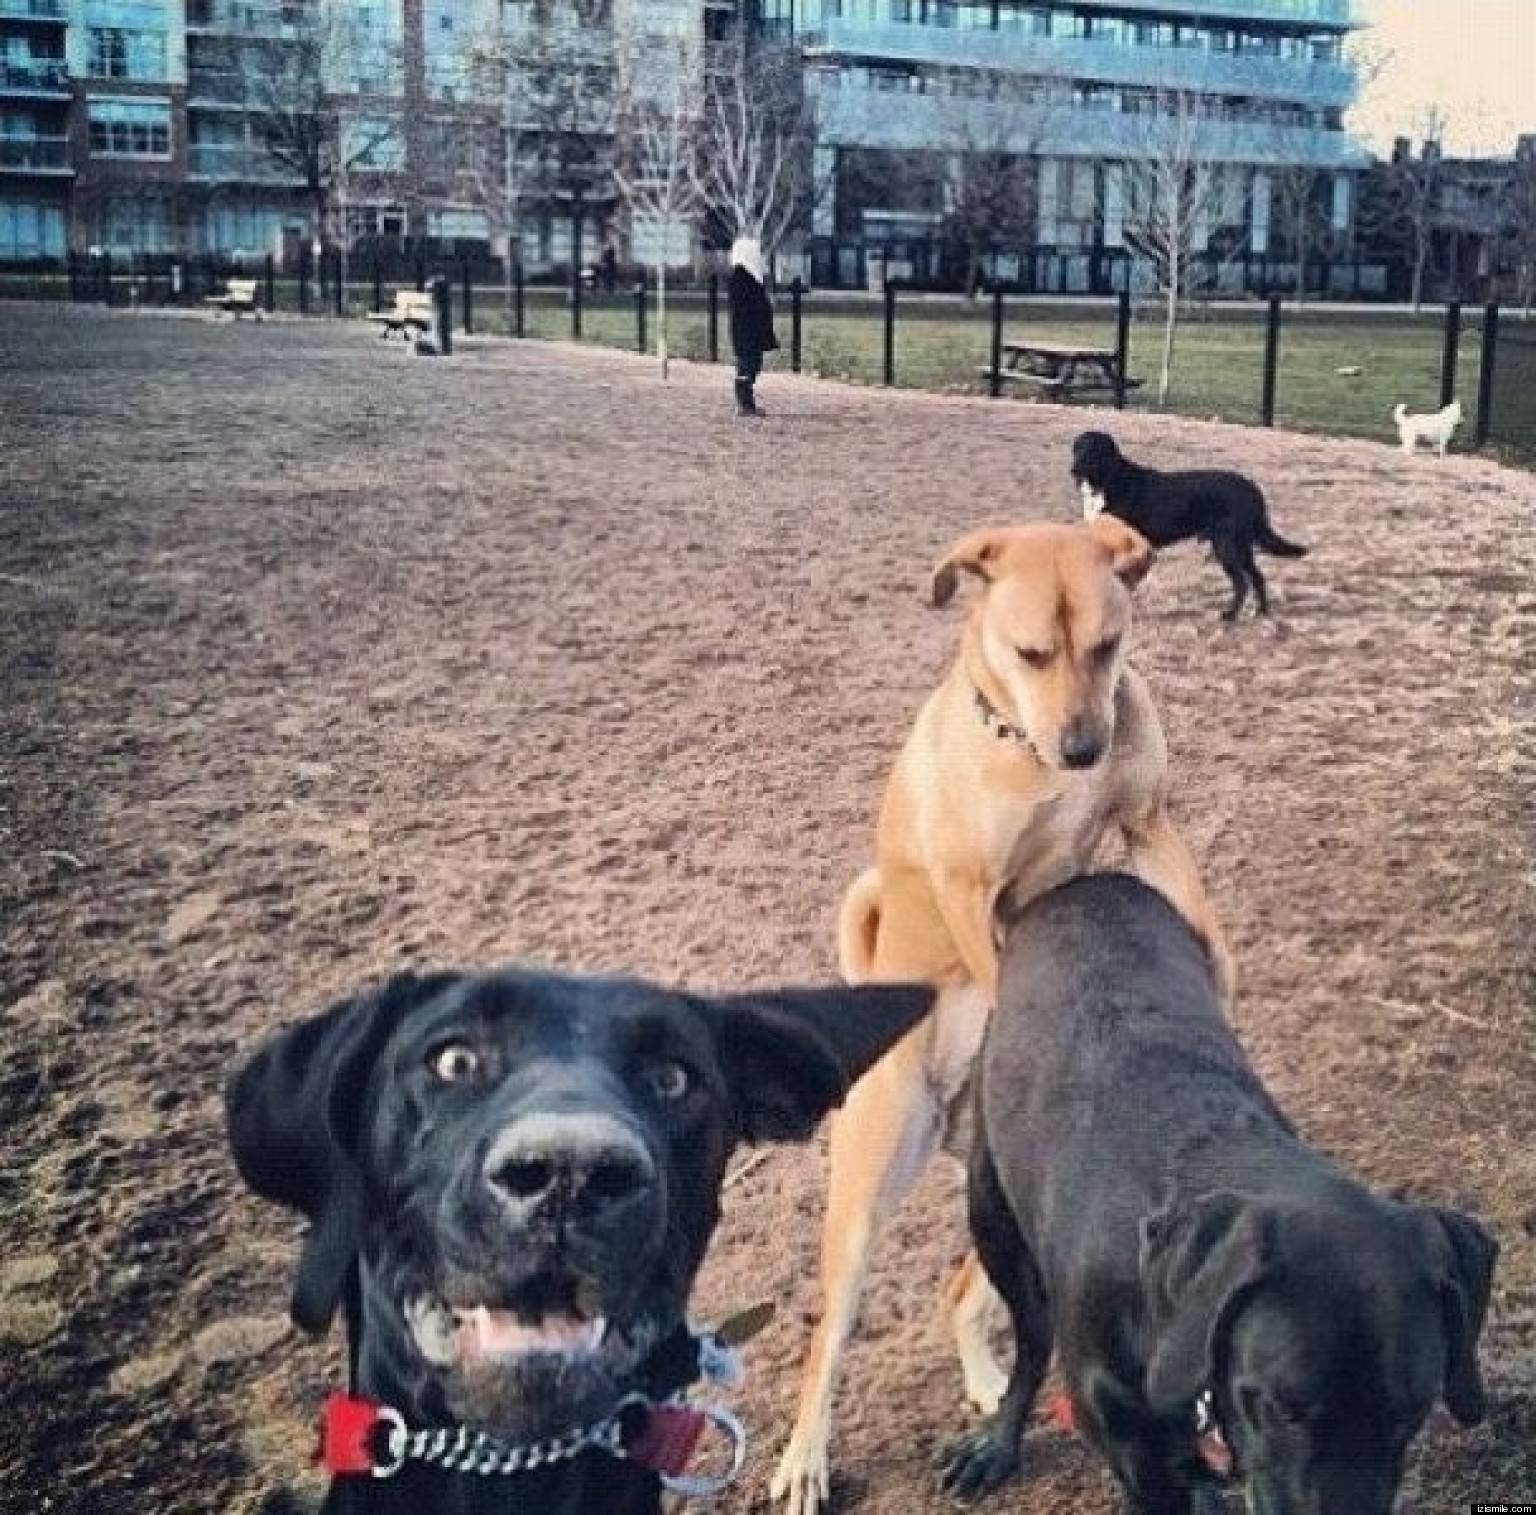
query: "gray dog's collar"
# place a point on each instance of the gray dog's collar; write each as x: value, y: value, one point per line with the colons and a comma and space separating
x: 1211, y: 1445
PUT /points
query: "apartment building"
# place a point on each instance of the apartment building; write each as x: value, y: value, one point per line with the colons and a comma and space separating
x: 251, y: 126
x: 1080, y: 91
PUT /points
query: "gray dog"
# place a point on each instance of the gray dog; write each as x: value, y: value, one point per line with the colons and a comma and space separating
x: 1226, y: 1303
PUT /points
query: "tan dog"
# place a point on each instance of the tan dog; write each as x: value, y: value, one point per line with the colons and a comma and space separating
x: 1039, y: 743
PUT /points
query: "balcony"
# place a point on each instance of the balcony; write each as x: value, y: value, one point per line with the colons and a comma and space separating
x: 35, y: 155
x: 237, y: 163
x: 1300, y: 80
x: 862, y: 117
x: 33, y: 10
x: 40, y: 76
x: 241, y: 18
x: 216, y: 88
x: 1303, y: 14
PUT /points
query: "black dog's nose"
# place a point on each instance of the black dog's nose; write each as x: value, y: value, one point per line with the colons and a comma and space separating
x: 584, y: 1163
x: 1080, y: 748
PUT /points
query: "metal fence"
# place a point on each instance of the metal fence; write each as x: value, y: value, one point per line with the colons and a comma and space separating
x: 1312, y: 366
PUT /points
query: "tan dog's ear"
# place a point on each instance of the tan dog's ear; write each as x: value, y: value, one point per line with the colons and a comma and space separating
x: 1131, y: 552
x: 975, y: 552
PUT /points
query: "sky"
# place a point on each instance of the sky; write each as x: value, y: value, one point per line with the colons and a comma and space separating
x: 1471, y: 58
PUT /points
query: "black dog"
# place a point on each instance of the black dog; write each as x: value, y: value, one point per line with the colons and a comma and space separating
x: 511, y: 1180
x: 1210, y: 505
x: 1224, y: 1301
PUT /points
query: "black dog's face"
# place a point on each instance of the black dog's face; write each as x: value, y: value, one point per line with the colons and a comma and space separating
x: 545, y: 1170
x: 526, y: 1169
x: 1326, y: 1338
x: 1093, y: 457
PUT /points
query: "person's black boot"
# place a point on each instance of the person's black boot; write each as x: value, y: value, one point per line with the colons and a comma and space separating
x: 746, y: 404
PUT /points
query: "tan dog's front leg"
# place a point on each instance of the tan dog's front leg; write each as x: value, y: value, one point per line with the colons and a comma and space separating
x: 880, y: 1142
x: 966, y: 908
x: 1160, y: 856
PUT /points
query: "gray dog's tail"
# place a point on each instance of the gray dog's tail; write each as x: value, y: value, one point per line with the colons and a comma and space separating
x: 1271, y: 541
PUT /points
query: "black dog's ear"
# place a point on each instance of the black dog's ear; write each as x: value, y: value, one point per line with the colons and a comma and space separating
x: 294, y: 1112
x: 1198, y: 1263
x: 791, y: 1055
x: 1468, y: 1254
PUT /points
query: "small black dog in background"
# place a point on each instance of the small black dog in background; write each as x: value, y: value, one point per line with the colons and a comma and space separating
x: 1211, y: 505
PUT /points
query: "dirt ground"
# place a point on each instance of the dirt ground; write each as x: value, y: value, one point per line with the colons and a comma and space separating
x: 318, y: 660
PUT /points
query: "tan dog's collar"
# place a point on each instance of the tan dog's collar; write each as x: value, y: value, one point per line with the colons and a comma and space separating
x: 993, y: 721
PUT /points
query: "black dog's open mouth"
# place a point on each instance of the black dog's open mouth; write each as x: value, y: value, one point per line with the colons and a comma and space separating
x: 533, y: 1366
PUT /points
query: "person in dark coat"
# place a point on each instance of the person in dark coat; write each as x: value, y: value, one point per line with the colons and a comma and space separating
x: 752, y: 332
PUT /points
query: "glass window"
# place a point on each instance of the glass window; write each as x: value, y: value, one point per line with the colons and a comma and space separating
x: 130, y: 128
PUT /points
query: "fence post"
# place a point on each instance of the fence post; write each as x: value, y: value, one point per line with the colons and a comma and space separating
x: 714, y: 318
x: 1271, y: 360
x: 1485, y: 373
x: 106, y: 278
x: 337, y: 291
x: 995, y: 371
x: 378, y: 278
x: 796, y: 314
x: 640, y: 313
x: 1448, y: 349
x: 1122, y: 346
x: 576, y: 300
x: 269, y: 271
x: 469, y: 307
x: 304, y: 277
x: 421, y: 265
x: 442, y: 305
x: 72, y: 269
x: 519, y: 303
x: 890, y: 333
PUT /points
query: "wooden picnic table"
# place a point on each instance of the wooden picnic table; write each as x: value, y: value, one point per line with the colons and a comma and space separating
x: 1062, y: 371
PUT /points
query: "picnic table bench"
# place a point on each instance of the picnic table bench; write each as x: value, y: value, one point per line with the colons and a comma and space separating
x: 411, y: 315
x: 1062, y: 372
x: 236, y: 299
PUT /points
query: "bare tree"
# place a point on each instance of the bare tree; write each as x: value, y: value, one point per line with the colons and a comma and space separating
x: 989, y: 129
x: 1519, y: 237
x: 1413, y: 192
x: 306, y: 86
x: 656, y: 145
x: 1169, y: 191
x: 753, y: 169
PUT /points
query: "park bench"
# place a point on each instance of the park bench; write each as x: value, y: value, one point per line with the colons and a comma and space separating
x: 411, y: 315
x: 1061, y: 372
x: 238, y: 298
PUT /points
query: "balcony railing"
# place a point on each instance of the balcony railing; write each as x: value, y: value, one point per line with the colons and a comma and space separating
x: 36, y: 155
x: 40, y: 76
x: 1326, y: 13
x: 32, y: 10
x: 861, y: 117
x: 236, y: 163
x: 1303, y: 80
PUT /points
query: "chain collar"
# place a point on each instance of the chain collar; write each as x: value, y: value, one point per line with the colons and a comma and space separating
x: 993, y: 721
x: 361, y: 1436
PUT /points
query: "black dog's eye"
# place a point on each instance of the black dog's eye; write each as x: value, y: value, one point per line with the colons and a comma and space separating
x: 1106, y: 649
x: 456, y: 1063
x: 668, y: 1080
x: 1034, y: 656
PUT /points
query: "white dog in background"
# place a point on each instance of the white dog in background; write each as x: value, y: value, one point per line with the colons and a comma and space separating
x: 1432, y: 429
